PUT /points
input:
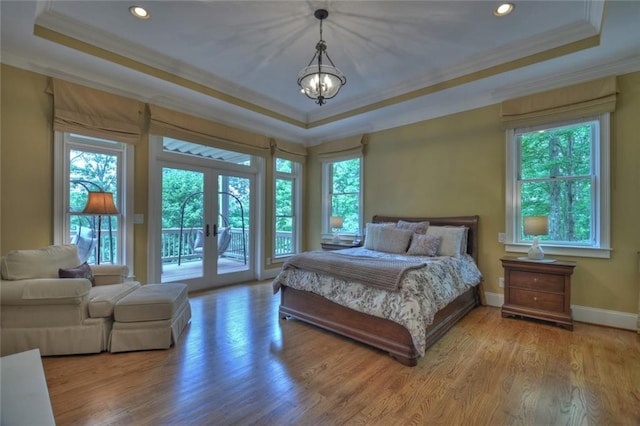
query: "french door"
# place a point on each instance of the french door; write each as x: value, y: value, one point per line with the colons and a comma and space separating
x: 206, y: 237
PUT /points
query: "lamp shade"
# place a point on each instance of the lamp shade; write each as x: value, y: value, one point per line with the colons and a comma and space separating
x: 100, y: 203
x: 536, y: 225
x: 335, y: 221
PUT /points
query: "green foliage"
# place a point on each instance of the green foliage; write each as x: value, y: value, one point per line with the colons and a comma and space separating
x: 346, y: 194
x: 182, y: 187
x: 96, y: 171
x: 235, y: 207
x: 556, y: 181
x: 182, y: 190
x: 284, y: 207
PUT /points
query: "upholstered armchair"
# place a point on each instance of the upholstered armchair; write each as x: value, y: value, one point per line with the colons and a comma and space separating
x: 70, y: 315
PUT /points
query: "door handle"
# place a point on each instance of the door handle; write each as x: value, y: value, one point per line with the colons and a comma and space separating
x: 215, y: 230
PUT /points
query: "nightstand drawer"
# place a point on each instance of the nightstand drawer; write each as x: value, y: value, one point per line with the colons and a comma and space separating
x: 537, y: 281
x: 537, y: 300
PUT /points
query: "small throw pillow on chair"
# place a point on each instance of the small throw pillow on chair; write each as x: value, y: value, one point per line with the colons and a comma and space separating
x: 82, y: 271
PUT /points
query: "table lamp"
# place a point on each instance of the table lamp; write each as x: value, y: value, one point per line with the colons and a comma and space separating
x: 536, y: 226
x: 335, y: 222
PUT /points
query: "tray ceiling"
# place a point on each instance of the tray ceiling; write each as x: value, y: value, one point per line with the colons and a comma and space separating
x: 236, y: 62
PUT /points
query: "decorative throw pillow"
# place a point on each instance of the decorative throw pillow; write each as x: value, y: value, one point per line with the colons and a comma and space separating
x: 416, y: 227
x: 424, y: 245
x: 386, y: 238
x: 82, y: 271
x: 452, y: 237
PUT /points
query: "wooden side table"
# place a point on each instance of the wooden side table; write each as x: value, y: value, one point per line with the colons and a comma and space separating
x: 338, y: 246
x: 538, y: 290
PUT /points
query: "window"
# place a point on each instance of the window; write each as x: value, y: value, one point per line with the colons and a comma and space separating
x: 342, y: 195
x: 561, y: 171
x: 84, y: 165
x: 286, y: 201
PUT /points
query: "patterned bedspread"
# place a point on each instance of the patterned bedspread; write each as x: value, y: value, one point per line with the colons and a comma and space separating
x: 424, y: 291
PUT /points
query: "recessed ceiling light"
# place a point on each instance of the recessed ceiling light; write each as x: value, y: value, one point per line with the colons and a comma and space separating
x: 139, y: 12
x: 504, y: 9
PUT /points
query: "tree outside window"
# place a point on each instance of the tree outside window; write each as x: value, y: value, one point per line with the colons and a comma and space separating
x: 94, y: 165
x: 345, y: 193
x: 286, y: 178
x: 561, y: 171
x: 557, y: 180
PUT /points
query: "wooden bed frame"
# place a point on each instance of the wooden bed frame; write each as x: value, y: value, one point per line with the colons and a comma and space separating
x: 379, y: 332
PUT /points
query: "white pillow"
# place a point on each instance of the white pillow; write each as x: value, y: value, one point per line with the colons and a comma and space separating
x: 40, y: 263
x: 386, y: 238
x: 452, y: 238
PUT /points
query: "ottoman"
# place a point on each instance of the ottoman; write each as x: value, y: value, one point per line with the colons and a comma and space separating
x: 151, y: 317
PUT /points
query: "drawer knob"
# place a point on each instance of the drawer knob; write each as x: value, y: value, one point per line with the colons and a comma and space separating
x: 535, y: 298
x: 535, y: 280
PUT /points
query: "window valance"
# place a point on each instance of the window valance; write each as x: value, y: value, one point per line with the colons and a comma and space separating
x: 182, y: 126
x: 580, y: 100
x: 341, y: 148
x: 93, y: 112
x: 288, y: 150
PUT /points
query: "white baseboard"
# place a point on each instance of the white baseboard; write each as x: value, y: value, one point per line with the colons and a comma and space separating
x: 586, y: 314
x: 494, y: 299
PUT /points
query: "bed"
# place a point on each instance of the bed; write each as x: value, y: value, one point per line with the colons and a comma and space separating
x: 391, y: 336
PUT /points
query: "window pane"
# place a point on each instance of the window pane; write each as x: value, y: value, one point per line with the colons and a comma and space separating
x: 284, y: 197
x: 93, y: 171
x: 346, y: 177
x: 345, y: 194
x: 556, y: 152
x: 560, y: 171
x: 347, y: 206
x: 284, y: 166
x: 284, y: 233
x: 567, y: 203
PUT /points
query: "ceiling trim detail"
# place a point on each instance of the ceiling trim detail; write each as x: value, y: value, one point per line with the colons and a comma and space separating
x: 82, y: 46
x: 556, y: 52
x: 96, y: 51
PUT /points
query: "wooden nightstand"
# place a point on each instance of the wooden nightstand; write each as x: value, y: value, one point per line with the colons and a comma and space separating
x: 338, y: 246
x: 538, y: 290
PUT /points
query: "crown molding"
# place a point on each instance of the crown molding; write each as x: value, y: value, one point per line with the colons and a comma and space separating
x: 71, y: 28
x: 624, y: 65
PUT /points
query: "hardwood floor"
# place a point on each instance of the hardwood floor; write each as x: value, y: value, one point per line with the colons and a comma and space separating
x: 238, y: 363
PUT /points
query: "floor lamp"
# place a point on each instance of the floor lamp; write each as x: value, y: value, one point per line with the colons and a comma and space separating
x: 100, y: 204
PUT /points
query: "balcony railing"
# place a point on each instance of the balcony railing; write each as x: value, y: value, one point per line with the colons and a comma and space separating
x: 170, y: 242
x: 237, y: 249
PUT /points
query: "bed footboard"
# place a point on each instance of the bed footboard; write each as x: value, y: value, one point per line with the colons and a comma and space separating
x: 377, y: 332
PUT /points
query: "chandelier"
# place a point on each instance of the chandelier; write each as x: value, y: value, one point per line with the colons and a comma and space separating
x: 318, y: 80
